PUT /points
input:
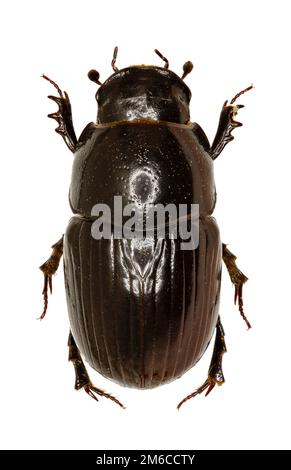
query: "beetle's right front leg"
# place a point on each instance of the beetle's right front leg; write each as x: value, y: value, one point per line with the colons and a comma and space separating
x: 82, y: 379
x: 63, y: 116
x: 227, y: 124
x: 49, y: 268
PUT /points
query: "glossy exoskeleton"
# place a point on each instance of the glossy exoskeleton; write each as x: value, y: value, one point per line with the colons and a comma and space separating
x: 142, y: 311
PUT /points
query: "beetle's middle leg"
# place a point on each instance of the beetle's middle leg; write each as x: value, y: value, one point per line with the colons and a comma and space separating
x: 49, y: 268
x: 82, y: 378
x: 215, y: 374
x: 237, y: 278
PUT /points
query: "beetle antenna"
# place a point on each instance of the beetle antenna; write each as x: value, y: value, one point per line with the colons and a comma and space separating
x: 241, y: 93
x: 93, y: 75
x: 114, y: 59
x: 166, y: 66
x: 187, y: 68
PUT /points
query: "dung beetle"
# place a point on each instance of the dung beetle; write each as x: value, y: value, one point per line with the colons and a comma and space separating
x: 142, y: 309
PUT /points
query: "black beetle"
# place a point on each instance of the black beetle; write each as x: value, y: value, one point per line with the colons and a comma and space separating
x: 142, y: 311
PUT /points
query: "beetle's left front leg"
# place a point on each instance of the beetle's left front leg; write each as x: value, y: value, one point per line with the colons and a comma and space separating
x: 215, y: 374
x: 226, y: 124
x: 82, y: 378
x: 49, y: 268
x: 63, y: 116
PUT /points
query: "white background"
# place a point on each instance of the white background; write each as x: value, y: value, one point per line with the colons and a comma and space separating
x: 231, y: 44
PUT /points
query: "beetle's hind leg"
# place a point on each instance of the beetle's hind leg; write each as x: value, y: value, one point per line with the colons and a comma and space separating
x: 215, y: 374
x: 82, y: 378
x: 237, y: 278
x: 49, y: 268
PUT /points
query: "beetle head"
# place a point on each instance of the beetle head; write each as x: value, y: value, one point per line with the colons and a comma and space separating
x: 143, y: 92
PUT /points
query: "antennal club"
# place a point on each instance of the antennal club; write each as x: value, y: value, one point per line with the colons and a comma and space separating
x: 187, y: 68
x: 93, y: 75
x: 114, y: 59
x: 166, y: 66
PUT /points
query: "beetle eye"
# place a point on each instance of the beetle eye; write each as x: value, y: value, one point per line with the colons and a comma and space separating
x: 187, y: 68
x: 93, y: 75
